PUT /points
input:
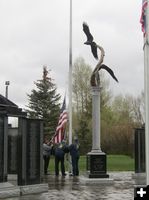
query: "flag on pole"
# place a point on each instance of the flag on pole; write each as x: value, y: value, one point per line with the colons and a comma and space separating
x: 60, y: 130
x: 143, y: 16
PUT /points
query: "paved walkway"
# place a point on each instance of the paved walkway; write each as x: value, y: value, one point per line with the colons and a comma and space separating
x: 71, y: 188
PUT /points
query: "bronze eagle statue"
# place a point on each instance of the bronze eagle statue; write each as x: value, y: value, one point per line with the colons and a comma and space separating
x: 99, y: 66
x: 90, y: 40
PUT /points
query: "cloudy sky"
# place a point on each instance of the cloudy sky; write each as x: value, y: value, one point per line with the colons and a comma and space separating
x: 34, y: 33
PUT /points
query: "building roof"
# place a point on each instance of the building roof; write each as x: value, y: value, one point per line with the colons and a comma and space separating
x: 10, y: 108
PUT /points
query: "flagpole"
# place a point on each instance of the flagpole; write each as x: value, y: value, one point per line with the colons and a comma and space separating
x: 146, y: 88
x: 70, y: 75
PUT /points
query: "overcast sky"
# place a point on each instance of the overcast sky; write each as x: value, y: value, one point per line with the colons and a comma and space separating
x: 34, y: 33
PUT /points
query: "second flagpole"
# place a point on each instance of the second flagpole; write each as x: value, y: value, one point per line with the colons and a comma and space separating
x: 70, y: 76
x: 146, y: 89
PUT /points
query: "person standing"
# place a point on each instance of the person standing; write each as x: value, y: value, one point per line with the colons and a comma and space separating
x: 47, y: 146
x: 59, y: 158
x: 74, y: 152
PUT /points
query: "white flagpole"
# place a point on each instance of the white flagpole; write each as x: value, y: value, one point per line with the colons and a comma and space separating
x: 146, y: 89
x: 70, y: 75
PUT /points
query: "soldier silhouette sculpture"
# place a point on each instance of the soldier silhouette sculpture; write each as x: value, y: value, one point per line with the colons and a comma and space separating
x: 95, y: 79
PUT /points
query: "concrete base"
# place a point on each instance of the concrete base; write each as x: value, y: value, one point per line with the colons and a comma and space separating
x: 8, y: 190
x: 33, y: 189
x: 139, y: 175
x: 13, y: 178
x: 95, y: 181
x: 140, y: 178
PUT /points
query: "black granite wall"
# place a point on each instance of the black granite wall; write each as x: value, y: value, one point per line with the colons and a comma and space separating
x: 30, y: 140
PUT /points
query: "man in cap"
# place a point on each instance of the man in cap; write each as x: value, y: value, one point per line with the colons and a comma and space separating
x: 74, y: 152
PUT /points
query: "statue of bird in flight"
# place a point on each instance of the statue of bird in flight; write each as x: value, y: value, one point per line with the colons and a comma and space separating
x: 90, y: 41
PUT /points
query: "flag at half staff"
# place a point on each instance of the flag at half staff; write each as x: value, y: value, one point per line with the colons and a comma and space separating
x: 60, y: 130
x: 143, y: 16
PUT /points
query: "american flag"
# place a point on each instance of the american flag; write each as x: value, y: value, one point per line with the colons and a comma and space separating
x: 143, y: 16
x: 60, y: 130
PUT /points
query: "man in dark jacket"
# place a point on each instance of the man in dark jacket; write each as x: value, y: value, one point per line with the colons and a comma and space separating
x: 74, y: 152
x: 60, y: 151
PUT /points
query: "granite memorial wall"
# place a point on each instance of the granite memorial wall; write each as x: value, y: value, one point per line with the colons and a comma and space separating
x: 3, y: 148
x: 12, y: 150
x: 30, y: 139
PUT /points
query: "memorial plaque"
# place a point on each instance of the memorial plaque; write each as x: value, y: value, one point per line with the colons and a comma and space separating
x: 1, y: 148
x: 12, y: 150
x: 98, y: 164
x: 30, y: 151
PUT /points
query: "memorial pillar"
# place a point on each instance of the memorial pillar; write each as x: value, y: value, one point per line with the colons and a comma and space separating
x: 96, y: 159
x: 96, y: 119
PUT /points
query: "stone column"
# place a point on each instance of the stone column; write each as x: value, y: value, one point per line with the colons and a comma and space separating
x: 96, y: 159
x: 96, y: 120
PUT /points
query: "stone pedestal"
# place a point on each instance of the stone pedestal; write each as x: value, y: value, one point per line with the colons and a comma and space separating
x: 96, y: 159
x: 97, y: 165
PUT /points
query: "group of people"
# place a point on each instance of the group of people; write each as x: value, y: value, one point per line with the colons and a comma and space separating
x: 59, y: 151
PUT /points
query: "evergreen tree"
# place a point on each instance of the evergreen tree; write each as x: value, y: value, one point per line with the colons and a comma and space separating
x: 44, y: 103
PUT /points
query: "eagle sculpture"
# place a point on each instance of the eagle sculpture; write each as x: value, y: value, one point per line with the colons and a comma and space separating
x: 90, y: 41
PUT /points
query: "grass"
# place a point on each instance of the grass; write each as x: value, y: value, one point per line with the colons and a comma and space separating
x: 120, y: 163
x: 114, y: 163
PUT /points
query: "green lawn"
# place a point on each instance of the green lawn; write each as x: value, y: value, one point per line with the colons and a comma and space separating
x: 114, y: 163
x: 120, y: 163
